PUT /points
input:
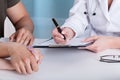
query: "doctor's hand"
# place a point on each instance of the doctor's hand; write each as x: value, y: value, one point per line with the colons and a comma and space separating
x: 59, y: 38
x: 22, y: 36
x: 102, y: 43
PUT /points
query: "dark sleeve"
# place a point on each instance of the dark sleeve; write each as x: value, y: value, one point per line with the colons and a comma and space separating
x: 11, y: 3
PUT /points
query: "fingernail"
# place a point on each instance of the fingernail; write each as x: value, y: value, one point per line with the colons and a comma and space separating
x: 63, y: 32
x: 62, y: 36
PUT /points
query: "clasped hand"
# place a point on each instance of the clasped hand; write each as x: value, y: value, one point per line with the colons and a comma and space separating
x: 24, y: 60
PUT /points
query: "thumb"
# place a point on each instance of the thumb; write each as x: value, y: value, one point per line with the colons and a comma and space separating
x: 93, y: 38
x: 91, y: 48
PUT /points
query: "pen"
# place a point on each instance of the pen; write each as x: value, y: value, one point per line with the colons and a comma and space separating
x: 58, y: 28
x: 110, y: 58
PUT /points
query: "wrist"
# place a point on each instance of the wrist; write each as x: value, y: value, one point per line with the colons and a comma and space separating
x: 25, y: 28
x: 12, y: 48
x: 116, y: 43
x: 28, y: 29
x: 72, y: 33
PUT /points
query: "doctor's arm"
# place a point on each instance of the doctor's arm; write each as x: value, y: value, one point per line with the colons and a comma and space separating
x: 23, y: 24
x: 75, y: 25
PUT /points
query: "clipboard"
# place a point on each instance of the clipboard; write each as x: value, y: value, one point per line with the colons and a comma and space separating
x: 74, y: 43
x: 60, y: 46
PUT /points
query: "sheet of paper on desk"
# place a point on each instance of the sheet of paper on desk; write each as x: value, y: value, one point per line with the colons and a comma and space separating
x: 73, y: 42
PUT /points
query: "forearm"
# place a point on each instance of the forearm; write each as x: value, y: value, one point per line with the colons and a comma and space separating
x: 20, y: 17
x: 3, y: 50
x: 26, y: 23
x: 116, y: 42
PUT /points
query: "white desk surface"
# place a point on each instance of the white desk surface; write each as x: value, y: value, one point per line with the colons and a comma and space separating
x: 70, y: 64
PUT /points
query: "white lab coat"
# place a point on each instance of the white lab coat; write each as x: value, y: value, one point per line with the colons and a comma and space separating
x: 105, y: 22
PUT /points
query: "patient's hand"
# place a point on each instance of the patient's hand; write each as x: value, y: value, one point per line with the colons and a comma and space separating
x: 6, y: 63
x: 23, y: 59
x: 36, y: 54
x: 22, y: 36
x: 59, y: 38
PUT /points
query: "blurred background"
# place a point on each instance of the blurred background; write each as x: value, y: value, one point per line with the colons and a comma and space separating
x: 42, y: 11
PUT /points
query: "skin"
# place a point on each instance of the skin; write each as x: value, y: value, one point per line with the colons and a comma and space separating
x: 23, y: 60
x: 109, y: 3
x: 59, y: 39
x: 100, y: 42
x: 23, y: 24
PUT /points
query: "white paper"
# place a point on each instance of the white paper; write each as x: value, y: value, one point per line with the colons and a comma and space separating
x: 72, y: 42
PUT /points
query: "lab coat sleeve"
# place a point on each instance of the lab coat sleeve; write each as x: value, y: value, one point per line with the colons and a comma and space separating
x: 77, y: 19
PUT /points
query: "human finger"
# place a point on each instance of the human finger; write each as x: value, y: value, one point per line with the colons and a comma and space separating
x: 19, y: 36
x: 34, y: 64
x: 31, y: 41
x: 38, y: 55
x: 17, y: 68
x: 55, y: 33
x: 12, y: 37
x: 59, y: 40
x: 93, y: 38
x: 26, y: 41
x: 22, y: 67
x: 92, y: 48
x: 40, y: 59
x: 28, y: 66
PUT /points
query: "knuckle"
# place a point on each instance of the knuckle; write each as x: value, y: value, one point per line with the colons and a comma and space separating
x: 15, y: 65
x: 22, y: 30
x: 31, y: 57
x: 26, y: 60
x: 19, y: 62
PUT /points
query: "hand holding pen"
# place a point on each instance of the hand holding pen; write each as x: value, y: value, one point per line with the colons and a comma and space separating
x: 58, y: 28
x: 62, y: 35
